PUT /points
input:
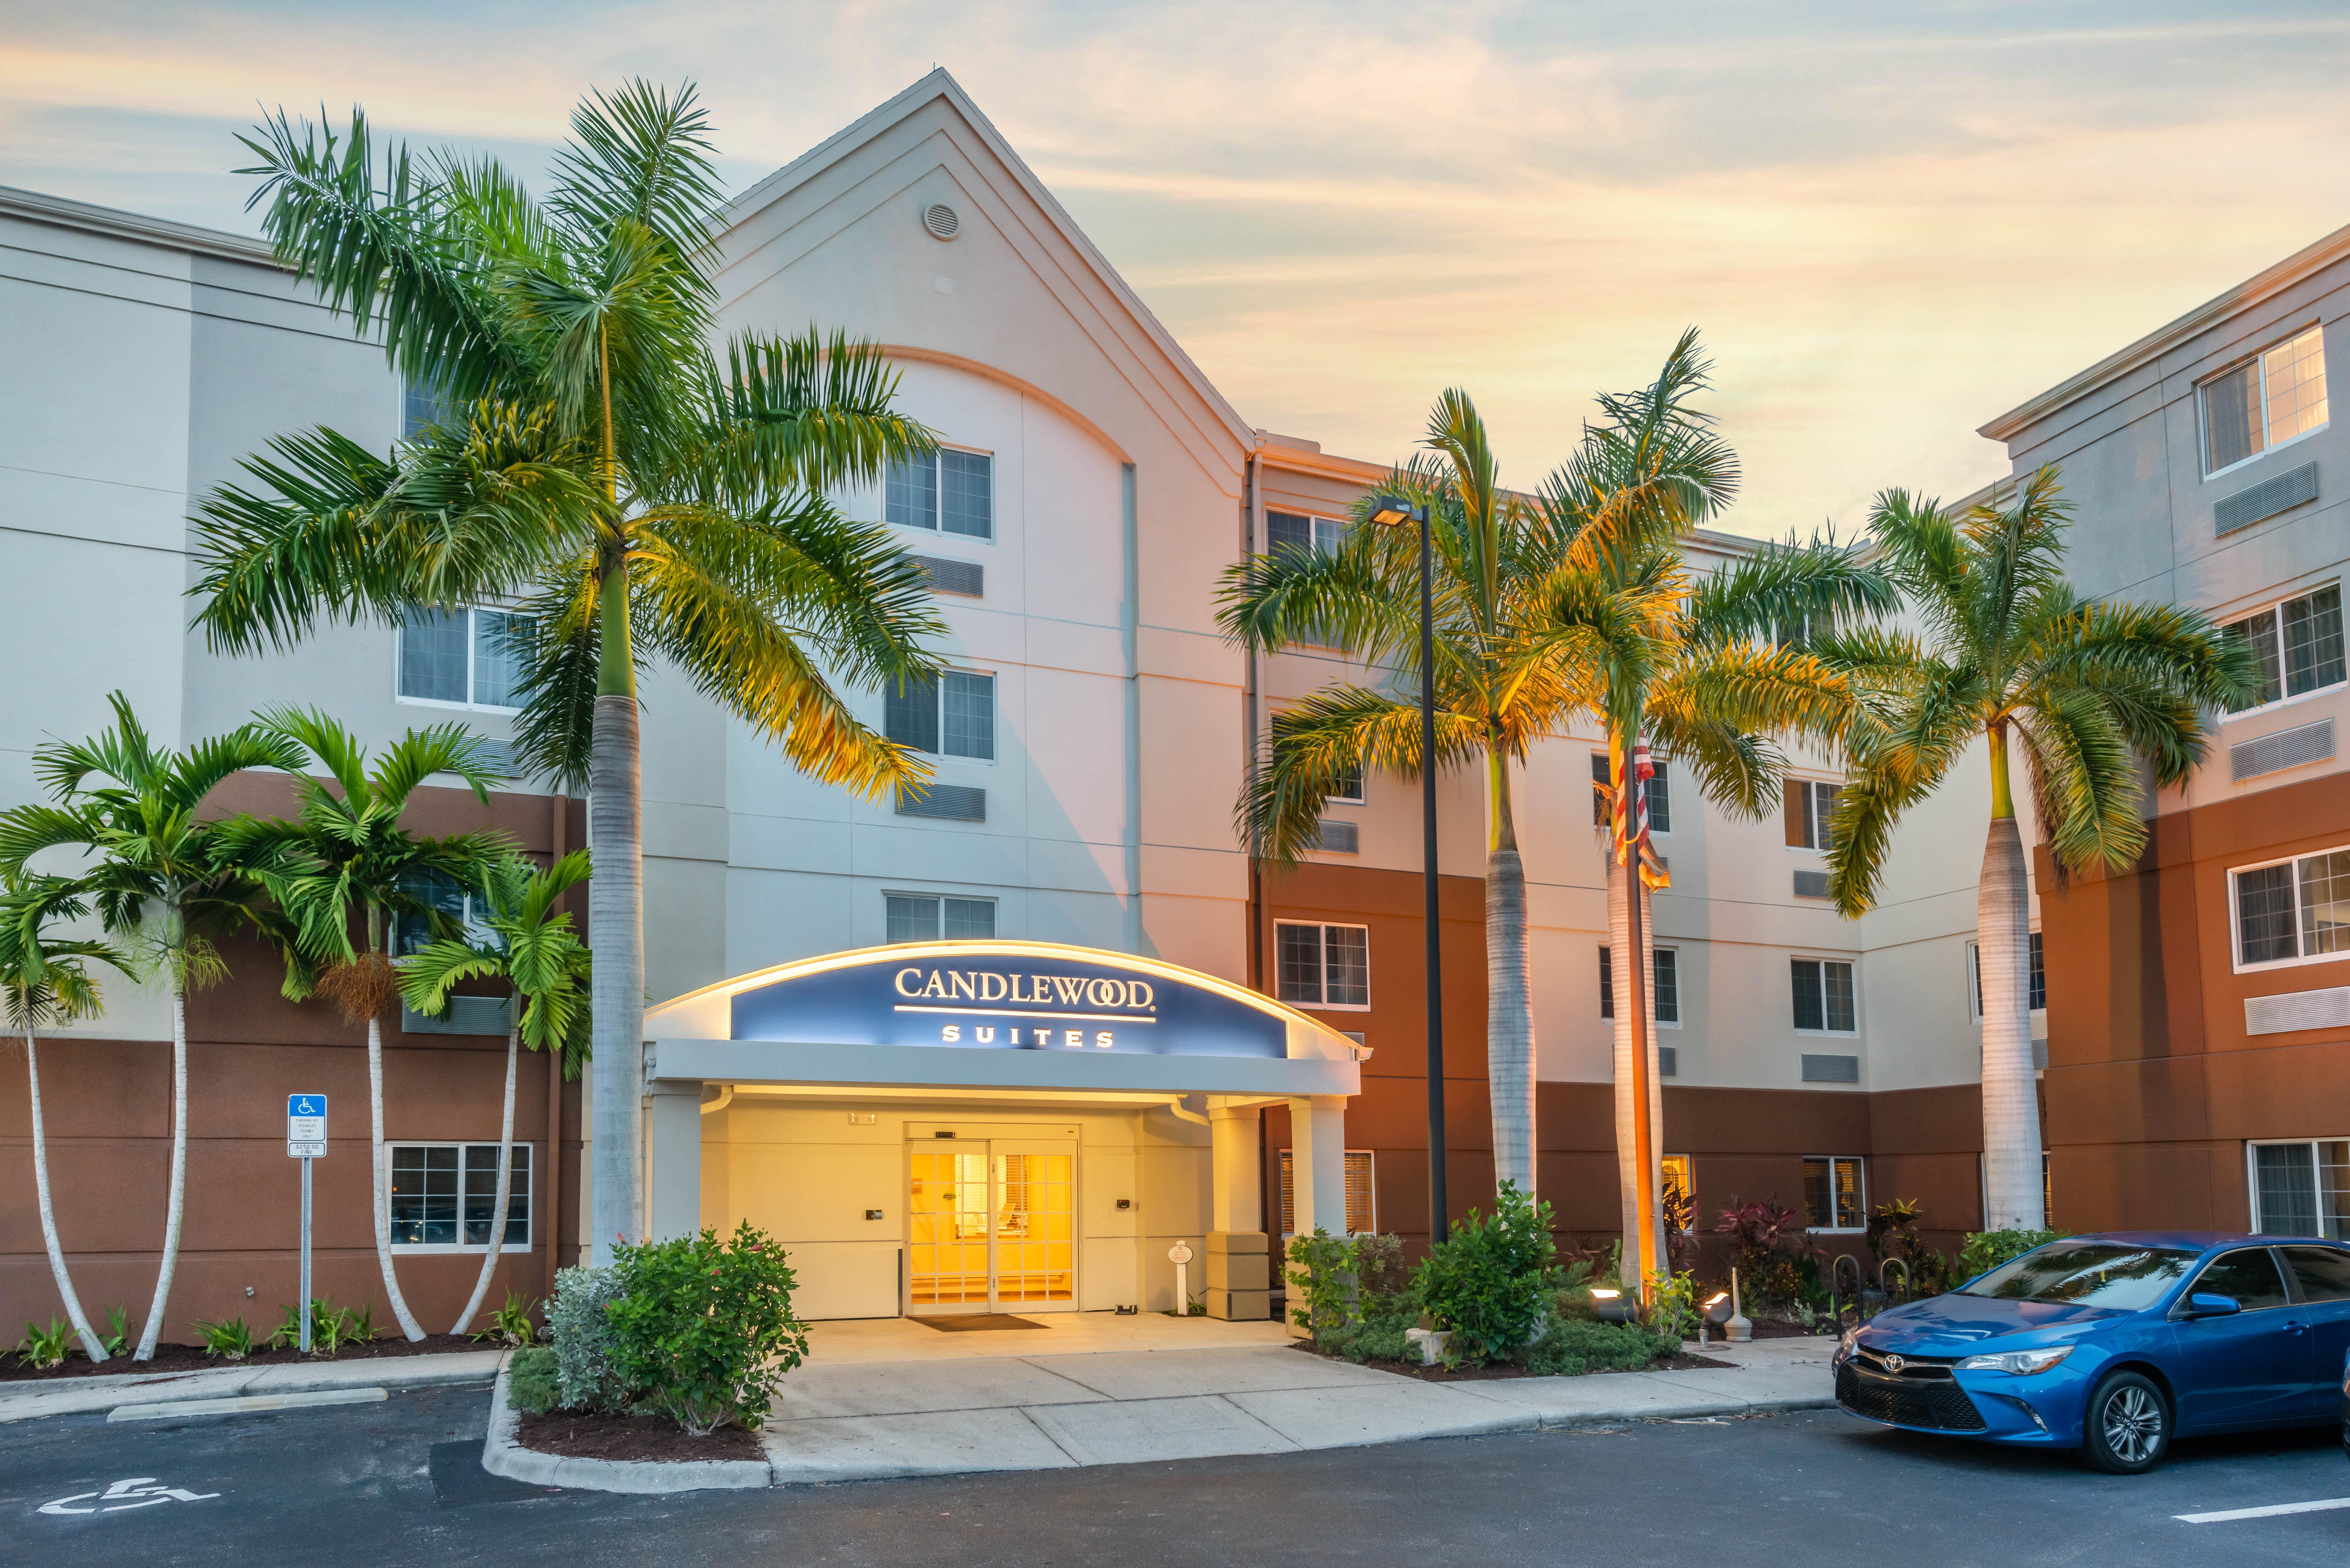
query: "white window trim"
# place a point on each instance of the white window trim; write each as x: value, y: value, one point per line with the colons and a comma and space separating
x: 937, y: 530
x: 1607, y: 994
x: 1852, y: 963
x: 2258, y: 357
x: 399, y: 654
x: 1808, y: 808
x: 2252, y: 1180
x: 938, y: 698
x: 432, y: 1248
x: 1860, y: 1230
x: 2274, y: 610
x: 2236, y: 923
x: 1284, y: 1170
x: 939, y: 899
x: 1967, y: 977
x: 1324, y: 950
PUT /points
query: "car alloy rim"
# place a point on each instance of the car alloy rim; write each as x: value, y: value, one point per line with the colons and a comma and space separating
x: 2133, y: 1421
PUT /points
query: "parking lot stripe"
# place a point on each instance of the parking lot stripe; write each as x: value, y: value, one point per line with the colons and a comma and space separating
x: 2228, y: 1514
x: 250, y: 1403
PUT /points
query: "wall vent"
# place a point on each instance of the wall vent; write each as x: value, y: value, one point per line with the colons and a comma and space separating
x: 2294, y: 748
x: 466, y: 1015
x: 950, y: 576
x: 2288, y: 490
x: 1668, y: 1062
x: 2297, y: 1010
x: 953, y: 803
x: 1339, y: 838
x: 941, y: 221
x: 1831, y: 1069
x: 1811, y: 884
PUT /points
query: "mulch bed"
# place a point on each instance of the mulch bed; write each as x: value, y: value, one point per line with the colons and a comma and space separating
x: 583, y: 1435
x: 1776, y: 1328
x: 1683, y: 1362
x: 185, y: 1359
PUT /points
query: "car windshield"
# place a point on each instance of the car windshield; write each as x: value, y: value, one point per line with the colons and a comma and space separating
x: 2088, y: 1274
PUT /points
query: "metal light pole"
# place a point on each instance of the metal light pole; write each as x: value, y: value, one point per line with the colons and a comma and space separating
x: 1390, y: 511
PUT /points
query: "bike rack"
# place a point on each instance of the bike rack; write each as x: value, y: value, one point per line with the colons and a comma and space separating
x: 1835, y: 1279
x: 1907, y: 1287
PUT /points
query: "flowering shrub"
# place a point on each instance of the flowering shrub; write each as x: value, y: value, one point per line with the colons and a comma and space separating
x: 703, y: 1329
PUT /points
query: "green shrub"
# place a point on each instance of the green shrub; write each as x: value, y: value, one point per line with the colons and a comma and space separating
x: 231, y: 1339
x: 1490, y: 1281
x: 1987, y: 1250
x: 45, y: 1347
x: 531, y: 1384
x: 1325, y: 1275
x: 511, y: 1325
x: 117, y: 1341
x: 587, y: 1346
x: 705, y: 1327
x: 1572, y: 1346
x: 331, y: 1327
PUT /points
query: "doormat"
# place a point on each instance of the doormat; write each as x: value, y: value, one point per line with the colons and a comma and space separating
x: 977, y: 1320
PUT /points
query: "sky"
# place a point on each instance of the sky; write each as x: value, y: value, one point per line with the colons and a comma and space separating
x: 1891, y: 223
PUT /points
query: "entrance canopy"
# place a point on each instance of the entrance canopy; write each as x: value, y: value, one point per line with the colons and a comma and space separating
x: 998, y: 1015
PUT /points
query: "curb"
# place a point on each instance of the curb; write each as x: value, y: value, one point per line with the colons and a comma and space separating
x: 502, y: 1455
x: 80, y: 1395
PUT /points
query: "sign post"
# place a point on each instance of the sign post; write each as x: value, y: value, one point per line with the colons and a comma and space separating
x: 305, y: 1140
x: 1179, y: 1254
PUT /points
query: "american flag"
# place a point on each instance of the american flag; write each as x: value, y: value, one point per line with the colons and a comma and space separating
x: 1632, y: 806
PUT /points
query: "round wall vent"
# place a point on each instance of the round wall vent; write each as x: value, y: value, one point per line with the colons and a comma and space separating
x: 940, y: 219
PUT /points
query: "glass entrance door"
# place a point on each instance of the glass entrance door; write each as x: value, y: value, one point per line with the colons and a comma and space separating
x: 991, y: 1227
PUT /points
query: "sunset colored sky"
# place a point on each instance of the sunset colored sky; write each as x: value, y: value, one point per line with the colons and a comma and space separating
x: 1892, y: 222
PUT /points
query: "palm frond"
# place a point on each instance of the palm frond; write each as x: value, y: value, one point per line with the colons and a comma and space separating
x: 1338, y: 733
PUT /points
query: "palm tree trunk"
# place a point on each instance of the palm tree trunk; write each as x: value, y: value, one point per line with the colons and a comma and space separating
x: 407, y: 1323
x: 616, y: 935
x: 90, y: 1344
x: 1509, y: 1009
x: 505, y: 1178
x: 2013, y: 1197
x: 177, y: 1206
x: 1621, y: 879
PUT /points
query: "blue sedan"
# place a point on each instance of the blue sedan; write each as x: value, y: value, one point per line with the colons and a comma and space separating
x: 2113, y: 1345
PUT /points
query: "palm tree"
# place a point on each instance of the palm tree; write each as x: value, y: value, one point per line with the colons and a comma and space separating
x: 45, y: 979
x: 1568, y: 604
x: 2086, y: 688
x: 158, y: 875
x: 641, y: 492
x: 343, y: 859
x: 526, y: 941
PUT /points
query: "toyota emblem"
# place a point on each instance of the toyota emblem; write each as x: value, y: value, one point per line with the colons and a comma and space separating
x: 1894, y: 1364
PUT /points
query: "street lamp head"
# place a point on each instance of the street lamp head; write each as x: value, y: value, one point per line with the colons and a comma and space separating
x: 1389, y: 511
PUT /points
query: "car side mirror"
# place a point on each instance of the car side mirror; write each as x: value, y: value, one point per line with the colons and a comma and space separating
x: 2205, y: 1304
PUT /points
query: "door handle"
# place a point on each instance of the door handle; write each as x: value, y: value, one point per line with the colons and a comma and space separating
x: 2296, y: 1328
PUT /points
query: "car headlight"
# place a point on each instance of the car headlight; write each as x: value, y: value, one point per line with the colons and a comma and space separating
x: 2021, y: 1363
x: 1851, y: 1339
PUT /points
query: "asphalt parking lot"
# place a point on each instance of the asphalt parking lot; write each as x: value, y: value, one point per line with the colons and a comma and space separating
x: 399, y: 1482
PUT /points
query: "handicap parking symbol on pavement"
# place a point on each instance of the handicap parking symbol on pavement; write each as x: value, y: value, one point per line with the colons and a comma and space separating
x: 137, y: 1491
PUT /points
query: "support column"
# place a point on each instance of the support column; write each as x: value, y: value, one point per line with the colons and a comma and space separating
x: 673, y: 1160
x: 1240, y: 1282
x: 1317, y: 1164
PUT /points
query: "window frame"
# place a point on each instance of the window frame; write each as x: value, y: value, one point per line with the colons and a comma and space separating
x: 1607, y: 983
x: 939, y: 716
x: 2235, y: 920
x: 2258, y: 359
x: 938, y: 901
x: 1316, y: 522
x: 1284, y: 1205
x: 1322, y: 962
x: 936, y: 528
x: 2037, y: 950
x: 529, y: 1199
x: 1689, y: 1185
x: 1860, y: 1164
x: 1814, y: 830
x: 1658, y: 787
x: 1823, y: 1033
x: 2273, y: 611
x: 1354, y: 799
x: 2317, y: 1188
x: 472, y: 648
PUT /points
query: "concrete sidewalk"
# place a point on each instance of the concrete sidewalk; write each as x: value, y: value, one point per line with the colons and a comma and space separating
x: 105, y: 1391
x: 875, y: 1420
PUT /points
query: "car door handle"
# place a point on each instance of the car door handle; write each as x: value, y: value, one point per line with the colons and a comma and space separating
x: 2296, y: 1328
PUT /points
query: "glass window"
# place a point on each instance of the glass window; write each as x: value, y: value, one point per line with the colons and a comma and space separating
x: 1681, y: 1192
x: 968, y: 722
x: 1660, y: 798
x: 1362, y: 1193
x: 2038, y: 976
x: 1836, y: 1194
x: 1606, y: 983
x: 2301, y: 1189
x: 422, y: 406
x: 927, y: 917
x: 967, y: 494
x: 2267, y: 401
x: 1348, y: 787
x: 471, y: 657
x: 2090, y: 1274
x: 1322, y: 966
x: 910, y: 714
x: 1810, y: 805
x: 1296, y: 531
x: 1825, y: 998
x: 2322, y: 1272
x: 497, y: 663
x: 909, y: 493
x: 439, y: 892
x: 440, y: 1189
x: 2300, y: 909
x: 1668, y: 985
x: 2249, y: 1274
x: 2298, y: 645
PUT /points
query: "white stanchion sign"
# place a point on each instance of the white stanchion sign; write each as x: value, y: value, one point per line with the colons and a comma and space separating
x: 306, y: 1126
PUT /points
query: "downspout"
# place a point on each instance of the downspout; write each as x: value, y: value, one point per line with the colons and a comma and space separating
x: 1130, y: 634
x: 559, y: 815
x: 1249, y: 475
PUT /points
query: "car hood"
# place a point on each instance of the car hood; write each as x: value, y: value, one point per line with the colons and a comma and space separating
x: 1957, y: 1324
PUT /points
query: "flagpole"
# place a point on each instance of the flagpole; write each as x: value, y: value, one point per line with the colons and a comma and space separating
x: 1632, y: 812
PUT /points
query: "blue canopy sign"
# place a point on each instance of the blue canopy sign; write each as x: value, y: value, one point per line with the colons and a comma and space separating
x: 1010, y: 997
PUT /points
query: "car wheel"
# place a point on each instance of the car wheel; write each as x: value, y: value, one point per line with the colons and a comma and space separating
x: 2126, y: 1430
